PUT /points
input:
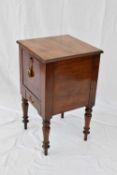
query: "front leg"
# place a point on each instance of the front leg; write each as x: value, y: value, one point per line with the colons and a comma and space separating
x: 62, y: 115
x: 25, y: 112
x: 88, y: 115
x: 46, y: 130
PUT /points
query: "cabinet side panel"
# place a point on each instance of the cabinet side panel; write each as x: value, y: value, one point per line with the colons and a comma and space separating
x: 72, y: 82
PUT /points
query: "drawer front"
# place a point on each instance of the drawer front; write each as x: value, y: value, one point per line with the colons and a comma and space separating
x: 33, y: 100
x: 31, y: 73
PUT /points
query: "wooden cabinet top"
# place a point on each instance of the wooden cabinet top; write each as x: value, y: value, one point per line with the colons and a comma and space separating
x: 56, y: 48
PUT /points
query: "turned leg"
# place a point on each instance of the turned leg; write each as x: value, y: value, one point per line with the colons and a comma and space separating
x: 88, y: 115
x: 46, y: 130
x: 62, y: 115
x: 25, y: 112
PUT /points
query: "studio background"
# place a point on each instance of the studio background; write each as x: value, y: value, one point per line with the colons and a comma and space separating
x: 95, y: 22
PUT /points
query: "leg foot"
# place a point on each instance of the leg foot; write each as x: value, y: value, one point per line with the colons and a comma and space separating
x: 88, y: 115
x: 62, y: 115
x: 46, y: 130
x: 25, y: 112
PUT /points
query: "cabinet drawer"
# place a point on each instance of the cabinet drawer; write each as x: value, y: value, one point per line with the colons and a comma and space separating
x: 31, y: 81
x: 33, y: 100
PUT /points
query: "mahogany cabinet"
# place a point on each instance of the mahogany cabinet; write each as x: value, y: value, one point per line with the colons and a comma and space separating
x: 58, y: 74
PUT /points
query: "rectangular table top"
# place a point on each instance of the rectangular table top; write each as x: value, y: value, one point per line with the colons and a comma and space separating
x: 55, y: 48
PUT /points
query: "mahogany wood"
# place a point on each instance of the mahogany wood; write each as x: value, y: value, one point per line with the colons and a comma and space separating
x: 46, y: 130
x: 25, y: 112
x: 58, y: 74
x: 56, y: 48
x: 88, y: 115
x: 62, y: 115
